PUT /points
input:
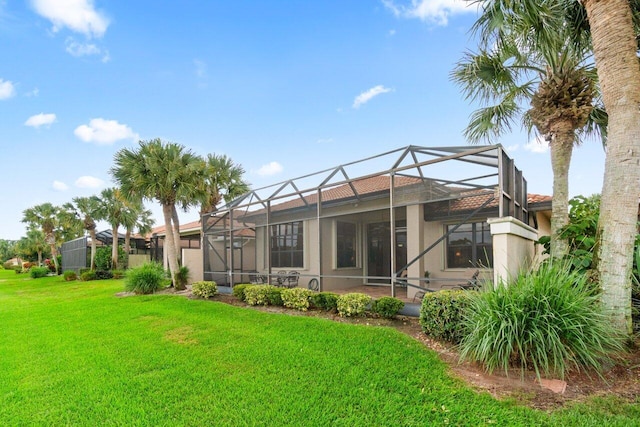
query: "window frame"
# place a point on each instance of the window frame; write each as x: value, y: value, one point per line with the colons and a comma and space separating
x: 478, y: 249
x: 280, y: 244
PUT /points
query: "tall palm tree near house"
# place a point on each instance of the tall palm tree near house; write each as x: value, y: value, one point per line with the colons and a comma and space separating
x: 614, y: 30
x: 45, y: 218
x: 168, y: 173
x: 223, y: 181
x: 113, y: 210
x: 89, y: 211
x: 527, y: 71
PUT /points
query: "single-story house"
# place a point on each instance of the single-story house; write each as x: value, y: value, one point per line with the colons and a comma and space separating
x: 425, y: 218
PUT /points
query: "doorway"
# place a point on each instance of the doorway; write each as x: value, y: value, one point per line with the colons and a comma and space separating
x: 379, y: 251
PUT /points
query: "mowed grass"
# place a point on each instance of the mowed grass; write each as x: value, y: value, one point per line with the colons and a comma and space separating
x: 71, y: 353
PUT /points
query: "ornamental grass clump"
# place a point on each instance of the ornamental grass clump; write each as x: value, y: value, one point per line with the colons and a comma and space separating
x: 146, y: 279
x: 549, y: 320
x: 353, y: 304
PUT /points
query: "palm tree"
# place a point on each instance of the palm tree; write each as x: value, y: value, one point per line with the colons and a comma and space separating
x: 33, y: 242
x: 223, y: 182
x: 168, y: 173
x: 136, y: 217
x: 89, y: 209
x: 615, y: 47
x: 45, y: 217
x: 526, y: 58
x: 113, y: 211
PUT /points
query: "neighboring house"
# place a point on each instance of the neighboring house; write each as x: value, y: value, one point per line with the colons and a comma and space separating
x: 190, y: 251
x: 447, y: 210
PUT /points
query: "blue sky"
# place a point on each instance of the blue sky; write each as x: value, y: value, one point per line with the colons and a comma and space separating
x: 283, y: 87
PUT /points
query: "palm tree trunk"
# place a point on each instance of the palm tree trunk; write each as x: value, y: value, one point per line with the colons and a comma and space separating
x: 51, y: 240
x: 39, y: 258
x: 176, y: 234
x: 114, y: 248
x: 92, y: 233
x: 614, y: 47
x: 170, y: 245
x: 561, y: 148
x: 127, y: 241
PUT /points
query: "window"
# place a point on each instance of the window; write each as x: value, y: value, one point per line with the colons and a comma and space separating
x: 470, y: 245
x: 287, y: 245
x: 345, y: 245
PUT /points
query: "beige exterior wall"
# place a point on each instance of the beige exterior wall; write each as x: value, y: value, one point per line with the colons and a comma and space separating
x: 513, y: 247
x: 136, y: 260
x: 192, y: 259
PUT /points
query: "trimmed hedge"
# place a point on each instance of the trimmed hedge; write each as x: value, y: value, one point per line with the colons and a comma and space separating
x: 204, y: 289
x: 327, y: 301
x: 238, y: 291
x: 257, y: 294
x: 387, y: 307
x: 297, y: 298
x: 353, y: 304
x: 37, y: 272
x: 70, y: 275
x: 442, y: 314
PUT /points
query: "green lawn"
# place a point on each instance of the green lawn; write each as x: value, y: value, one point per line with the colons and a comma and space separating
x: 74, y: 354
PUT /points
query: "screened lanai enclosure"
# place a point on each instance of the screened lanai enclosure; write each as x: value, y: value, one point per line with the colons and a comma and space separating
x: 405, y: 220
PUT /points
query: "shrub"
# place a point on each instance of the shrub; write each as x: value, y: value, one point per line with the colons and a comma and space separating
x: 70, y: 275
x: 28, y: 265
x: 103, y: 258
x: 550, y: 320
x: 324, y: 300
x: 442, y: 314
x: 88, y: 275
x: 104, y: 274
x: 83, y: 270
x: 297, y: 298
x: 182, y: 277
x: 37, y: 272
x: 145, y: 279
x: 238, y: 291
x: 257, y: 294
x: 353, y: 304
x: 387, y: 307
x: 204, y: 289
x: 274, y: 295
x: 117, y: 274
x: 8, y: 265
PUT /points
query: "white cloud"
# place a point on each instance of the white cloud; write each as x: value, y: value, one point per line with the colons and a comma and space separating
x: 40, y: 120
x: 34, y: 92
x: 89, y: 182
x: 270, y: 169
x: 537, y: 145
x: 7, y: 90
x: 431, y: 11
x: 59, y: 186
x: 392, y: 32
x: 81, y: 49
x: 512, y: 148
x: 104, y: 132
x: 366, y: 96
x: 79, y: 16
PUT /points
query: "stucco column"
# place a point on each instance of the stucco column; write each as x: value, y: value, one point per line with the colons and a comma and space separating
x: 513, y: 247
x: 415, y: 244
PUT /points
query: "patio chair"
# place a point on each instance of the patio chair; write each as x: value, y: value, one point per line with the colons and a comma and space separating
x: 281, y: 278
x: 256, y: 278
x: 292, y: 279
x: 471, y: 284
x: 420, y: 294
